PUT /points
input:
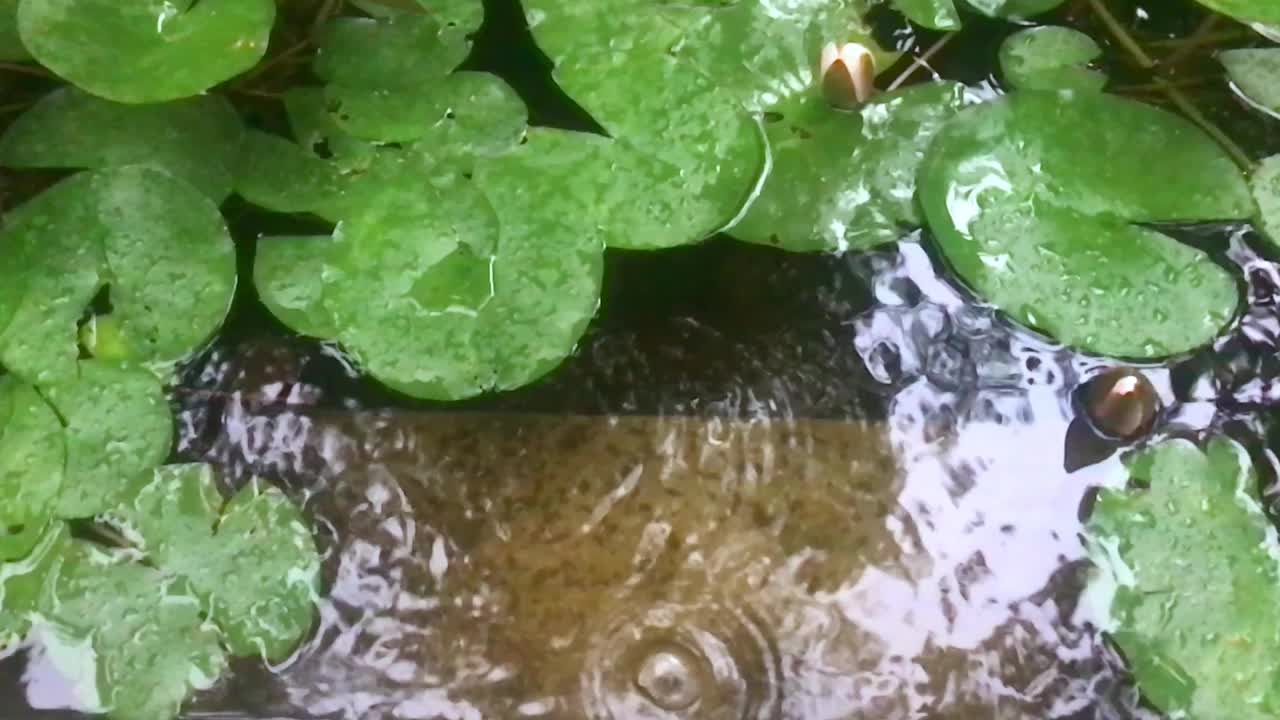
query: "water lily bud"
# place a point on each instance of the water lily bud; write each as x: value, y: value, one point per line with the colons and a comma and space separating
x: 1122, y: 403
x: 848, y: 75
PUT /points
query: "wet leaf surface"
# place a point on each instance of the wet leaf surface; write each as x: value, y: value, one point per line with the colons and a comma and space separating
x: 1051, y: 58
x: 1265, y: 184
x: 32, y: 457
x: 196, y: 139
x: 934, y: 14
x: 1193, y: 521
x: 1034, y: 204
x: 846, y: 181
x: 1248, y: 11
x: 157, y: 244
x: 172, y: 49
x: 1256, y: 73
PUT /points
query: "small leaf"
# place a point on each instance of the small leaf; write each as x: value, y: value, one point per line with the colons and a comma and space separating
x: 1191, y: 564
x: 1256, y: 74
x: 32, y: 458
x: 1051, y: 58
x: 1265, y: 184
x: 146, y: 51
x: 24, y: 580
x: 158, y: 244
x: 151, y: 643
x: 288, y: 272
x: 845, y: 181
x: 1032, y: 200
x: 255, y: 560
x: 118, y: 425
x: 1264, y: 12
x: 1015, y: 9
x: 194, y: 139
x: 933, y: 14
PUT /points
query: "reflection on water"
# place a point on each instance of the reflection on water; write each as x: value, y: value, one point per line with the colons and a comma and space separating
x: 867, y: 514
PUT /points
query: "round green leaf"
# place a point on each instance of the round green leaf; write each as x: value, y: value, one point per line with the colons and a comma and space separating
x: 1266, y: 12
x: 118, y: 425
x: 844, y: 181
x: 677, y: 84
x: 11, y: 47
x: 1016, y: 9
x: 254, y: 560
x: 32, y: 457
x: 24, y: 579
x: 1032, y: 201
x: 152, y: 645
x: 195, y: 139
x: 1265, y: 183
x: 1051, y: 58
x: 288, y: 272
x: 934, y: 14
x: 1188, y: 567
x: 171, y: 48
x: 1256, y: 74
x: 156, y: 243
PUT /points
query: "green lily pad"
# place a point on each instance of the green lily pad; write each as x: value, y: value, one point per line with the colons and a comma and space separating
x: 1266, y: 12
x: 32, y: 457
x: 445, y: 288
x: 1256, y: 73
x: 172, y: 49
x: 934, y: 14
x: 1265, y: 183
x: 1015, y: 9
x: 1051, y: 58
x: 253, y: 560
x: 24, y: 582
x: 1033, y: 202
x: 152, y: 644
x: 157, y: 243
x: 1189, y: 561
x: 195, y: 139
x: 678, y: 84
x: 11, y: 47
x: 844, y: 181
x: 118, y: 425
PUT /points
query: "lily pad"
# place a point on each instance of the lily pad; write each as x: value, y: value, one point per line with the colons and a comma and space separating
x: 172, y: 49
x: 1034, y: 204
x: 157, y: 244
x: 1051, y: 58
x: 678, y: 84
x: 1189, y: 559
x: 933, y: 14
x: 118, y: 425
x: 195, y: 139
x: 1265, y: 183
x: 24, y: 582
x: 1015, y: 9
x: 1256, y: 74
x: 443, y: 287
x: 152, y: 645
x: 844, y: 181
x: 1265, y: 12
x: 253, y: 561
x: 11, y: 47
x: 32, y: 457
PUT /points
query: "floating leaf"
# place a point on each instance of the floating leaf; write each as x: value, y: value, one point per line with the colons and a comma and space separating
x: 1265, y: 12
x: 11, y: 47
x: 254, y: 560
x: 675, y: 86
x: 157, y: 244
x: 23, y: 582
x: 171, y: 50
x: 151, y: 643
x: 1051, y: 58
x: 32, y: 457
x: 1016, y: 9
x: 1191, y: 560
x: 445, y: 288
x: 118, y: 425
x: 195, y: 139
x: 841, y: 180
x: 934, y: 14
x: 1032, y: 201
x: 1256, y: 74
x: 1265, y: 184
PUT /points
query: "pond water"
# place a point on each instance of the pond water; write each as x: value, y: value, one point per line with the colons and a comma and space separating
x: 766, y: 486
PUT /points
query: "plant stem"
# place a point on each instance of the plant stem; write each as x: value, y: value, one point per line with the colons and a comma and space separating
x: 1121, y: 35
x: 920, y: 61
